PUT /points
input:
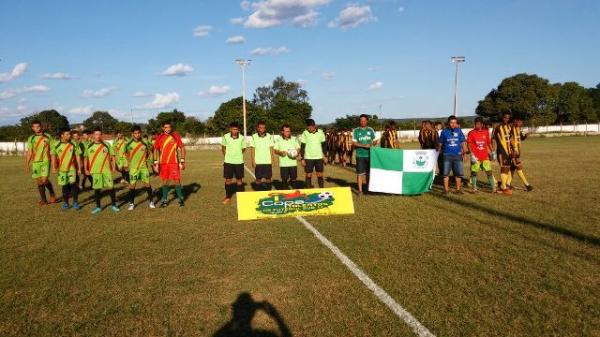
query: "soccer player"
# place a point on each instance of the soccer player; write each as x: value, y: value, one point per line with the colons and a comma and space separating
x: 169, y: 161
x: 119, y: 154
x: 99, y: 164
x: 517, y: 136
x: 502, y: 143
x: 389, y: 138
x: 262, y: 156
x: 137, y: 152
x: 452, y: 146
x: 66, y: 161
x: 480, y: 147
x: 233, y: 146
x: 428, y: 137
x: 312, y: 153
x: 37, y: 161
x: 86, y: 140
x: 363, y: 137
x: 287, y: 148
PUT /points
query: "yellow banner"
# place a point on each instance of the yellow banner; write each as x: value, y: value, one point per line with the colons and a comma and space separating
x: 276, y: 204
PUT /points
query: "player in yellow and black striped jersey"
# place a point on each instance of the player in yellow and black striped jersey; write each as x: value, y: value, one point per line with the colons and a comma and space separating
x: 516, y: 137
x: 389, y: 138
x: 502, y: 140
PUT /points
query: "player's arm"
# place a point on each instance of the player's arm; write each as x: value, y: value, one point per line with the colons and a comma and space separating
x: 252, y: 150
x: 223, y: 149
x: 324, y: 150
x: 182, y: 153
x: 28, y: 158
x: 272, y: 150
x: 54, y: 161
x: 86, y: 166
x: 78, y: 161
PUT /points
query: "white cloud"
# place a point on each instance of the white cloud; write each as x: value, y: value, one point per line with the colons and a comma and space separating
x: 161, y: 101
x: 238, y: 39
x: 376, y: 85
x: 9, y: 93
x: 271, y: 13
x: 103, y: 92
x: 17, y: 71
x: 353, y: 16
x: 141, y: 94
x: 81, y: 110
x: 328, y: 75
x: 373, y: 69
x: 215, y: 90
x: 270, y: 51
x: 237, y: 21
x: 202, y: 31
x: 57, y: 76
x: 245, y: 5
x: 178, y: 69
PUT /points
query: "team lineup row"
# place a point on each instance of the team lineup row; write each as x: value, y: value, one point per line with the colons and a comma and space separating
x: 76, y: 160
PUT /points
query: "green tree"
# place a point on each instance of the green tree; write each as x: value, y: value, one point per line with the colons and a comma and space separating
x: 175, y: 117
x: 101, y: 119
x: 280, y: 90
x: 595, y: 95
x: 352, y: 121
x: 52, y: 121
x: 193, y: 126
x: 231, y: 111
x: 527, y: 96
x: 575, y: 104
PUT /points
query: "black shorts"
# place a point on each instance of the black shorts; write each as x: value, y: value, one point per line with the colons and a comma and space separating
x: 263, y: 171
x: 504, y: 158
x: 233, y: 170
x: 362, y: 165
x: 290, y: 173
x: 314, y: 165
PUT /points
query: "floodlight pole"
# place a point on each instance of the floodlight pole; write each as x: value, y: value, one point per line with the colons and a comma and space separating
x: 243, y: 64
x: 457, y: 60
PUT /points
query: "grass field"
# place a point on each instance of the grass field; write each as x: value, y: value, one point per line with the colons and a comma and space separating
x: 470, y: 265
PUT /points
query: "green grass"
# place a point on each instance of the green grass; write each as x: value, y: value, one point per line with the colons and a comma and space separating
x: 471, y: 265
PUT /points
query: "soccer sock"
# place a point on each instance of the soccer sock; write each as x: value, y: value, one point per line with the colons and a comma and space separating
x: 132, y: 196
x: 50, y: 188
x: 308, y: 181
x: 292, y: 184
x: 321, y: 182
x: 113, y: 197
x: 503, y: 180
x: 492, y: 181
x: 149, y: 192
x: 509, y: 180
x: 179, y: 192
x: 97, y: 198
x: 229, y: 190
x: 240, y: 188
x: 75, y: 192
x: 65, y: 193
x: 165, y: 192
x: 522, y: 176
x: 42, y: 190
x: 474, y: 181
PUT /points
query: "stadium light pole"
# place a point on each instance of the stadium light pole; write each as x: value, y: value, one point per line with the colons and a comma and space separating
x: 243, y: 64
x: 457, y: 60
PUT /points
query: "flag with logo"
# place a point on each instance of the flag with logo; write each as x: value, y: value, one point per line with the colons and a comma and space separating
x: 397, y: 171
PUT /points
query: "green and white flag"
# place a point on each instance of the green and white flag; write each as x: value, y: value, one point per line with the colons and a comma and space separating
x: 402, y: 171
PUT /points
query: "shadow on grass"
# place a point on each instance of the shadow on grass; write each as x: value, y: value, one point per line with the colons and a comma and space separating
x: 243, y: 311
x: 582, y: 237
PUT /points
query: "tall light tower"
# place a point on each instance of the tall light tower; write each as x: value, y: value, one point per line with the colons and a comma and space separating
x: 243, y: 64
x: 457, y: 60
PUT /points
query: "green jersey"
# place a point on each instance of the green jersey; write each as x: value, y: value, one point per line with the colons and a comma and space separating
x: 118, y: 147
x: 39, y: 145
x: 364, y: 136
x: 138, y: 153
x: 66, y: 154
x: 234, y: 147
x: 262, y: 148
x: 283, y: 144
x: 98, y: 155
x: 313, y: 147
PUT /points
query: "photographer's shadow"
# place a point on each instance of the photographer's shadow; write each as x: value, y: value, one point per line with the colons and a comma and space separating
x: 243, y: 311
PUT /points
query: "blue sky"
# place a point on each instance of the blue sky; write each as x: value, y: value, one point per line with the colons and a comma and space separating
x: 351, y: 56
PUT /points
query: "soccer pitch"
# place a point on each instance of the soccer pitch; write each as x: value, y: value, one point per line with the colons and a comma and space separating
x: 468, y: 265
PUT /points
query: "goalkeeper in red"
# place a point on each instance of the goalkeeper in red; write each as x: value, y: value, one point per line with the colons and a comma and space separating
x: 66, y: 161
x: 480, y: 148
x: 169, y: 161
x: 137, y: 151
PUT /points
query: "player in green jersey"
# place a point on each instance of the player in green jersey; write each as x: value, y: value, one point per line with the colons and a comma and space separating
x: 262, y: 156
x: 233, y: 146
x: 86, y: 140
x: 312, y: 152
x: 37, y: 161
x: 100, y: 165
x: 137, y: 152
x: 119, y: 156
x: 287, y: 149
x: 66, y: 162
x: 363, y: 137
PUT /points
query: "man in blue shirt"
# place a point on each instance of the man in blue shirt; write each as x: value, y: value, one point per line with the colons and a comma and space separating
x: 451, y: 145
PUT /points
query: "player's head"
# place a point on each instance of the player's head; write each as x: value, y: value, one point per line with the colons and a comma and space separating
x: 234, y: 129
x: 517, y: 121
x: 261, y: 128
x: 86, y: 134
x: 506, y: 117
x: 75, y: 135
x: 286, y: 131
x: 479, y: 123
x: 392, y: 125
x: 438, y: 125
x: 36, y: 126
x: 452, y: 122
x: 65, y: 134
x: 311, y: 126
x: 136, y: 132
x: 167, y: 127
x: 363, y: 120
x: 119, y: 134
x: 427, y: 124
x: 97, y: 135
x: 145, y: 136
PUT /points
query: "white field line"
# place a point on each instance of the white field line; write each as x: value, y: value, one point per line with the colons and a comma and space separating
x: 418, y: 328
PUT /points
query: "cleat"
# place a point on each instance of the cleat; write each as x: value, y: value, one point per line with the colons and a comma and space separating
x: 42, y: 203
x: 131, y: 206
x: 151, y: 205
x: 459, y: 192
x: 529, y: 188
x: 76, y: 206
x: 163, y: 204
x: 181, y: 203
x: 52, y: 200
x: 226, y: 201
x: 475, y: 191
x: 507, y: 192
x: 115, y: 208
x: 65, y: 206
x: 96, y: 210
